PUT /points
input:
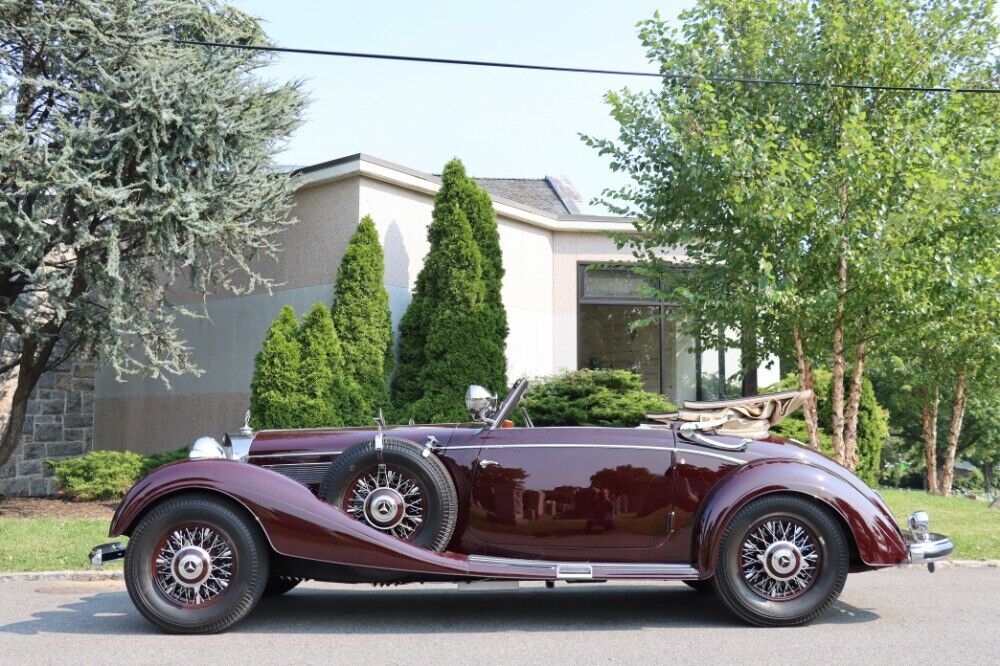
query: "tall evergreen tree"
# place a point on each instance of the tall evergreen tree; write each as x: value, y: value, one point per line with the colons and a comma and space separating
x: 361, y: 317
x: 458, y: 192
x: 276, y: 382
x: 456, y: 340
x: 329, y: 396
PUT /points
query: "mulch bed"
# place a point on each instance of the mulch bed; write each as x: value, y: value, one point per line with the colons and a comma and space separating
x: 38, y: 507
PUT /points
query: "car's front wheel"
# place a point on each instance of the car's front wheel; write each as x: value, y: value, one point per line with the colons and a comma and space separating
x: 782, y: 561
x: 196, y: 564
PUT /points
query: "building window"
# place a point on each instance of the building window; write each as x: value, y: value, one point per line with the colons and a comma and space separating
x: 610, y: 301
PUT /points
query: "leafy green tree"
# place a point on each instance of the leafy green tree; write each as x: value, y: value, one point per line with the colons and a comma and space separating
x: 328, y: 395
x: 362, y: 319
x: 458, y: 203
x: 129, y: 163
x: 873, y: 433
x: 807, y: 211
x: 455, y: 339
x: 276, y: 384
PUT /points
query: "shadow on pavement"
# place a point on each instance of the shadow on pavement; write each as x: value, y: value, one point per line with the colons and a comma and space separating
x: 433, y: 609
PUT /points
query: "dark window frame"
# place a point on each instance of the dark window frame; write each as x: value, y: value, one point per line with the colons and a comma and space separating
x: 582, y: 299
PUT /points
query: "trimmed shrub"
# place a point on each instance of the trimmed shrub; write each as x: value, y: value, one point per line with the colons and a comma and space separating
x: 328, y: 397
x: 459, y: 202
x: 593, y: 397
x: 274, y: 390
x: 362, y: 319
x: 107, y: 475
x: 98, y: 475
x: 455, y: 343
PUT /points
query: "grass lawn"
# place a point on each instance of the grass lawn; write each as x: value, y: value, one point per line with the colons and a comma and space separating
x: 972, y: 525
x: 50, y: 544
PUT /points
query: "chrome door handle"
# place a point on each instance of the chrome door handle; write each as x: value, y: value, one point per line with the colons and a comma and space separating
x: 488, y: 463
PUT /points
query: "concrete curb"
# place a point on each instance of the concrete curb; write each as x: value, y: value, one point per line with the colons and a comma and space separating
x: 97, y: 574
x: 80, y: 576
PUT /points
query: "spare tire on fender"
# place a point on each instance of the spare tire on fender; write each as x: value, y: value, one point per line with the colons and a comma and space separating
x: 396, y: 490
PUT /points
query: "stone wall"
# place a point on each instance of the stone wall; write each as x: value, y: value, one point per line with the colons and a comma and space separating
x: 59, y: 424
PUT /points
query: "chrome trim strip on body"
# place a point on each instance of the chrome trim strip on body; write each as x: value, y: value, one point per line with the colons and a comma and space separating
x: 574, y: 569
x: 710, y: 454
x: 641, y: 447
x: 292, y: 454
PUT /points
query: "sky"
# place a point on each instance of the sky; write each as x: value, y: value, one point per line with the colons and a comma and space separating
x: 501, y: 123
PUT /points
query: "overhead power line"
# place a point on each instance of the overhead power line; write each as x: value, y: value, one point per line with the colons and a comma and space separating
x: 674, y: 76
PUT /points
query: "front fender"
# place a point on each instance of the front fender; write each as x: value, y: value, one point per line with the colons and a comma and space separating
x: 872, y: 527
x: 294, y: 521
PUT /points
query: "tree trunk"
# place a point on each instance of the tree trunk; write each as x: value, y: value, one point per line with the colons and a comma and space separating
x: 957, y: 414
x: 34, y: 360
x: 928, y: 417
x: 748, y: 359
x: 837, y: 379
x: 853, y: 408
x: 807, y: 383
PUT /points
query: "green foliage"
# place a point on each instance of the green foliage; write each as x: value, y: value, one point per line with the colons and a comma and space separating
x: 130, y: 162
x: 274, y: 390
x: 328, y: 396
x: 455, y: 342
x: 362, y: 319
x: 873, y: 423
x: 98, y: 475
x: 821, y: 210
x: 593, y: 397
x: 454, y: 331
x: 154, y: 460
x: 873, y: 433
x: 106, y: 475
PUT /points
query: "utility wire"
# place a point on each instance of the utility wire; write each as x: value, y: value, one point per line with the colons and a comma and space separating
x: 674, y: 76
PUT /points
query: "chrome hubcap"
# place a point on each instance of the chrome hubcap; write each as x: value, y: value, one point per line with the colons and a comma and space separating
x: 779, y: 559
x: 193, y: 565
x: 389, y: 500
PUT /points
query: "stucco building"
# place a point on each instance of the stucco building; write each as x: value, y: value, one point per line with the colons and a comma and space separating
x: 561, y: 316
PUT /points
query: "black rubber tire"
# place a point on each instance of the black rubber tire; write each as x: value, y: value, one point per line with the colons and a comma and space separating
x: 243, y: 592
x: 701, y: 585
x: 441, y: 513
x: 826, y: 587
x: 278, y: 585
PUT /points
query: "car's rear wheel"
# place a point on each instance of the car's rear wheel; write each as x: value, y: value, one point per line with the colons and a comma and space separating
x: 196, y: 564
x: 782, y: 561
x: 395, y: 490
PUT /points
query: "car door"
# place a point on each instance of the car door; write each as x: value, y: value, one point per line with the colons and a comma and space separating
x: 572, y: 493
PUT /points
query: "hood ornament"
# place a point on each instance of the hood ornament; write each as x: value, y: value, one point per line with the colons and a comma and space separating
x: 246, y: 430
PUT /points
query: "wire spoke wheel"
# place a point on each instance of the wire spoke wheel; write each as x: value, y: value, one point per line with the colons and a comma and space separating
x: 193, y: 565
x: 779, y: 558
x: 389, y: 498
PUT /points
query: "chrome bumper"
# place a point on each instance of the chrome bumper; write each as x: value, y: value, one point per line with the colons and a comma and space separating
x: 923, y: 546
x: 933, y: 548
x: 106, y: 552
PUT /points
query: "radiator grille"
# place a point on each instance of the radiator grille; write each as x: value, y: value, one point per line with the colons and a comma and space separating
x: 305, y: 473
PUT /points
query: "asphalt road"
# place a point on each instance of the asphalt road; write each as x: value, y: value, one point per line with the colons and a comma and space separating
x: 897, y: 616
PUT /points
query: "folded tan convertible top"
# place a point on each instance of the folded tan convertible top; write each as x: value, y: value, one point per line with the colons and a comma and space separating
x: 752, y: 417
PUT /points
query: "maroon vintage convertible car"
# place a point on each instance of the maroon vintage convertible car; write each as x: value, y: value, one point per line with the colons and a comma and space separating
x: 705, y: 496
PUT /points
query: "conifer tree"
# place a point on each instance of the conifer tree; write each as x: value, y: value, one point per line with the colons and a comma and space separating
x: 329, y: 397
x: 488, y: 336
x: 456, y: 340
x: 276, y: 382
x: 362, y: 319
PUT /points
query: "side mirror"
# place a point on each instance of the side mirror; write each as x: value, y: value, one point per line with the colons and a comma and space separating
x: 480, y: 403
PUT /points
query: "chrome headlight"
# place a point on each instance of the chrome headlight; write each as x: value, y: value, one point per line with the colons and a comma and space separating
x: 206, y: 447
x: 480, y: 402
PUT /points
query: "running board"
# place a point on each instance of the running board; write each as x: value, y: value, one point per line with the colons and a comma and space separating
x: 552, y: 570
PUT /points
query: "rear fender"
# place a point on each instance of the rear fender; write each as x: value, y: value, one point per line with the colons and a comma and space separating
x: 872, y: 528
